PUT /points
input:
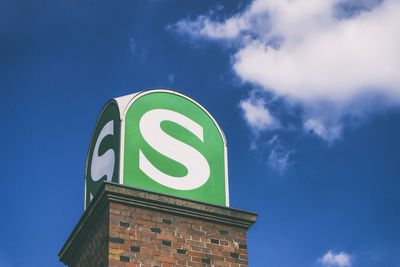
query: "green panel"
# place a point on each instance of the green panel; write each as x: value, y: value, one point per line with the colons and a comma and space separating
x: 103, y: 156
x: 211, y: 148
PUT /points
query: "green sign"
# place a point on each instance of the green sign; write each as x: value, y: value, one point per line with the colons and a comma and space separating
x: 102, y: 163
x: 169, y: 144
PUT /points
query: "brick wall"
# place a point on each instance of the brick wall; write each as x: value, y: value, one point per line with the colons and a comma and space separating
x: 140, y: 237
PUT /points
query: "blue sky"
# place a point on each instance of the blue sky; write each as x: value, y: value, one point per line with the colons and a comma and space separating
x: 307, y: 93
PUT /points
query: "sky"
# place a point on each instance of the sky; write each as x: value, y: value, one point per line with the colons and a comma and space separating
x: 307, y: 93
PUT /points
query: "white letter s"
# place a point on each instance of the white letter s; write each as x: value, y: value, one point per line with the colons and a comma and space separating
x: 197, y: 166
x: 104, y: 164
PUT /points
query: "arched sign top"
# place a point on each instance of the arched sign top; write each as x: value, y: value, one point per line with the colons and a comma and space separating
x: 126, y: 101
x: 167, y: 142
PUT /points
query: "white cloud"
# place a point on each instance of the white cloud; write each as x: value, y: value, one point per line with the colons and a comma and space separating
x: 279, y: 156
x: 257, y: 115
x: 139, y: 50
x: 311, y: 51
x: 278, y: 161
x: 327, y: 132
x: 204, y: 27
x: 325, y: 58
x: 331, y: 259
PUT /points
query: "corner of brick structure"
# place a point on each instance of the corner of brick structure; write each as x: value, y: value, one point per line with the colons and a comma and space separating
x: 126, y: 226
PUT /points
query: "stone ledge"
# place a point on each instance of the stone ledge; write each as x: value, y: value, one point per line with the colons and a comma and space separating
x: 122, y: 194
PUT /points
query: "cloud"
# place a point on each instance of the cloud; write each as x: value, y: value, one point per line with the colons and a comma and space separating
x: 331, y: 259
x: 204, y: 27
x: 311, y: 53
x: 139, y: 50
x: 325, y: 58
x: 259, y: 118
x: 257, y: 115
x: 278, y: 160
x: 327, y: 132
x: 279, y: 156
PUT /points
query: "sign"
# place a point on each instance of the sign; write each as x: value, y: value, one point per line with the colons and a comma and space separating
x: 102, y: 163
x: 159, y: 140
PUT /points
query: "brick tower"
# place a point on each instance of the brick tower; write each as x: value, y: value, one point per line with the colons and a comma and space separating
x: 126, y: 226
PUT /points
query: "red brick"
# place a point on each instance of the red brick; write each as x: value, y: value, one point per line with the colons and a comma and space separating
x: 146, y: 222
x: 165, y: 259
x: 166, y: 237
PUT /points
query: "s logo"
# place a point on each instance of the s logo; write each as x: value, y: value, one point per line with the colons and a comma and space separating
x: 173, y: 146
x: 198, y: 169
x: 104, y: 164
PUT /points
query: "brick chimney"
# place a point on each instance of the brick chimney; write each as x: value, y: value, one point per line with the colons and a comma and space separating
x: 126, y: 226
